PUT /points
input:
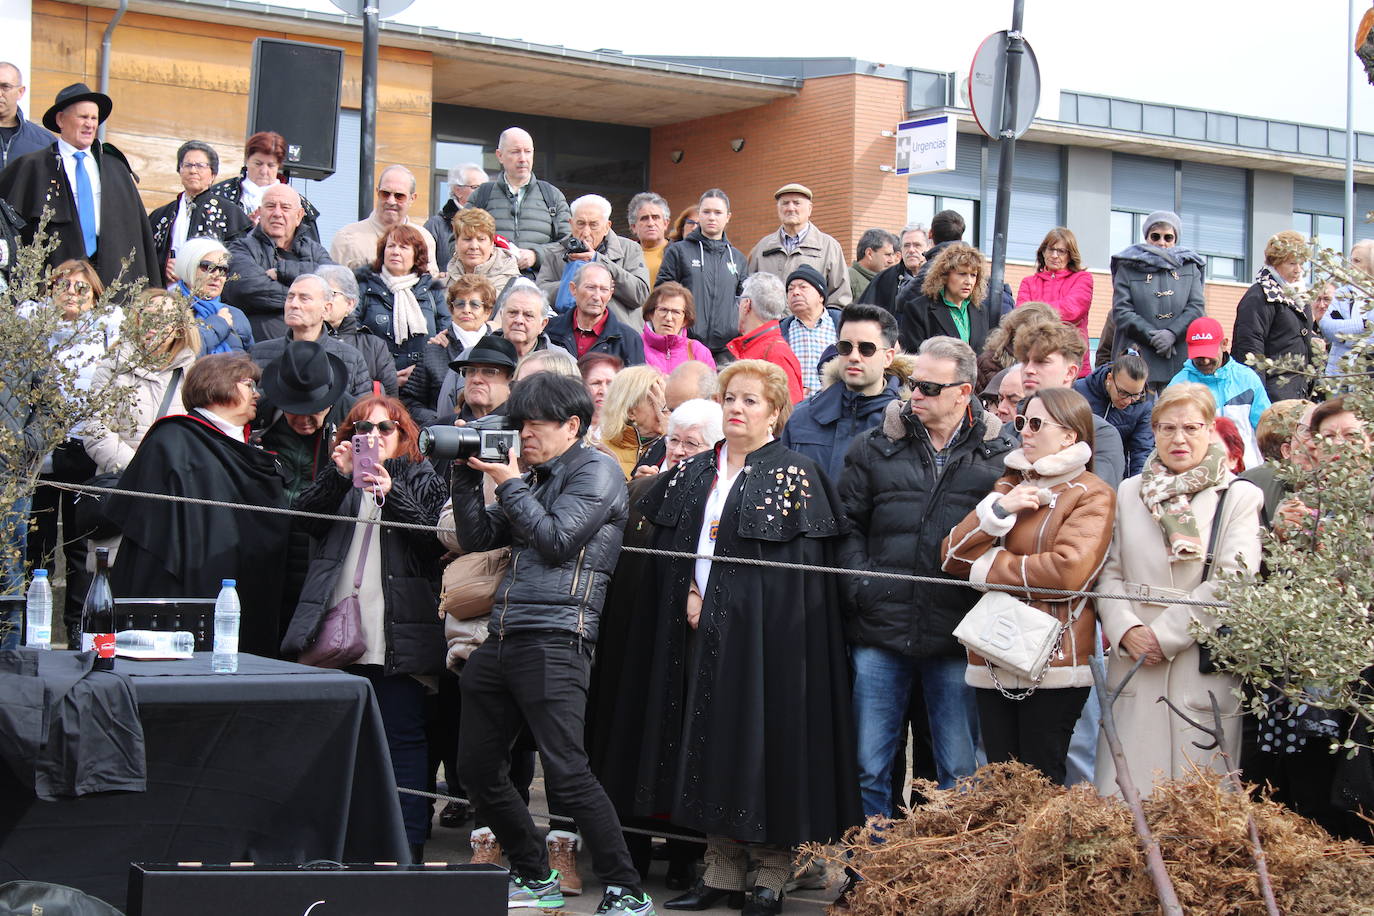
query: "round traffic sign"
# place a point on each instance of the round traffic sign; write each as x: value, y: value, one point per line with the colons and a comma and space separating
x: 987, y: 84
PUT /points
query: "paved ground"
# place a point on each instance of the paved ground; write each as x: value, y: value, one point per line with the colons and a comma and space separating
x: 453, y: 846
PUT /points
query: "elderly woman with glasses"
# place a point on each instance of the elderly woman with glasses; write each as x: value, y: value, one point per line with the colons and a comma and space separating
x: 471, y: 301
x: 1061, y: 281
x: 183, y: 550
x: 202, y: 269
x: 634, y: 418
x: 1157, y: 291
x: 1184, y: 508
x: 197, y: 212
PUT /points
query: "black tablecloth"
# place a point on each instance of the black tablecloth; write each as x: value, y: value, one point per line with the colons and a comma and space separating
x: 278, y: 763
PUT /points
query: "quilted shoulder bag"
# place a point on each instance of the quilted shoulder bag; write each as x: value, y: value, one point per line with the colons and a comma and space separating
x: 1017, y: 637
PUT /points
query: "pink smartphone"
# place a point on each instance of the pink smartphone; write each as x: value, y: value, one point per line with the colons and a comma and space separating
x: 366, y: 451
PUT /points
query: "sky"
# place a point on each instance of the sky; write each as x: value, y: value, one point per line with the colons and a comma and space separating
x: 1267, y: 58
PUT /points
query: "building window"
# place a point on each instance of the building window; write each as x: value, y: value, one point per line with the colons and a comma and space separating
x: 449, y: 153
x: 1215, y: 210
x: 921, y: 208
x: 1126, y: 229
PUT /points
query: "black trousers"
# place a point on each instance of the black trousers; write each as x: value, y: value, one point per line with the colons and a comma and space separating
x: 1035, y: 731
x: 539, y: 679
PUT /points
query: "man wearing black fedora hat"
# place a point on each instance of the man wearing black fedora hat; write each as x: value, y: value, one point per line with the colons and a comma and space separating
x: 97, y: 214
x: 486, y: 371
x: 305, y: 401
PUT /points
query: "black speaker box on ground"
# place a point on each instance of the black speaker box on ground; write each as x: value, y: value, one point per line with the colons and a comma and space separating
x: 298, y: 890
x: 295, y: 91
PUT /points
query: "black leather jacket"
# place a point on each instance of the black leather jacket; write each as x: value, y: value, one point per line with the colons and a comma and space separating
x: 563, y: 521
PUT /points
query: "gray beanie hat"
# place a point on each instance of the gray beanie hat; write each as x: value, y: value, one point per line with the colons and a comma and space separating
x: 1168, y: 217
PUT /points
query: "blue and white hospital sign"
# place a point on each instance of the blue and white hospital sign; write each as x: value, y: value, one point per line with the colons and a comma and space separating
x: 926, y: 145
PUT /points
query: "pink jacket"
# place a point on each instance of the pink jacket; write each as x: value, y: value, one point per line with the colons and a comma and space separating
x: 1070, y: 292
x: 667, y: 353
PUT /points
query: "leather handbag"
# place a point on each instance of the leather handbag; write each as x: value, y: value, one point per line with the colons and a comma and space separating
x: 1017, y: 637
x: 340, y: 640
x: 470, y: 582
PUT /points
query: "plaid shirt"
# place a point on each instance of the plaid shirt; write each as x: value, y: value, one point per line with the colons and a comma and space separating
x: 942, y: 455
x: 809, y: 344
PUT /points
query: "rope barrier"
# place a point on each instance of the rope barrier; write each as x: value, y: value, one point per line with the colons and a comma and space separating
x: 649, y: 551
x: 544, y: 815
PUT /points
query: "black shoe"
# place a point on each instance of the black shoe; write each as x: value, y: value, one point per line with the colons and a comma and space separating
x: 763, y: 902
x: 417, y: 853
x: 682, y: 874
x: 455, y: 815
x: 851, y: 881
x: 701, y: 897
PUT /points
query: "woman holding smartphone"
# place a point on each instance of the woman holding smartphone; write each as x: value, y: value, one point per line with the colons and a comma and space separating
x: 400, y: 624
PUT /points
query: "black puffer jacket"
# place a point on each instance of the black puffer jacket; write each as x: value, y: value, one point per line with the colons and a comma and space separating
x: 380, y: 366
x: 421, y: 393
x: 563, y: 522
x: 714, y: 271
x: 899, y: 509
x: 249, y: 287
x: 1271, y: 323
x: 375, y: 311
x: 410, y: 564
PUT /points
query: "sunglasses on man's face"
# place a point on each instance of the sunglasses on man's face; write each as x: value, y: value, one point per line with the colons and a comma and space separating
x: 932, y: 389
x: 1162, y: 237
x: 385, y: 427
x: 210, y: 267
x: 866, y: 349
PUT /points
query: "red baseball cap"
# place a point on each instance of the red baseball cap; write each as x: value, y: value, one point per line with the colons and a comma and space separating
x: 1204, y: 338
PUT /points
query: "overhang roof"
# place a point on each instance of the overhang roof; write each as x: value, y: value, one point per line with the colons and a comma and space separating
x: 485, y: 72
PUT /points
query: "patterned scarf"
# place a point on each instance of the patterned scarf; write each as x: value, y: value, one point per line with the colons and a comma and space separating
x: 1168, y: 497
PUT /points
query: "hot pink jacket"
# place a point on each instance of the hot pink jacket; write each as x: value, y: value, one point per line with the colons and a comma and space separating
x: 667, y: 353
x: 1070, y: 292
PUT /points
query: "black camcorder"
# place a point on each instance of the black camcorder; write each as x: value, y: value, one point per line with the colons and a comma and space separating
x: 492, y: 439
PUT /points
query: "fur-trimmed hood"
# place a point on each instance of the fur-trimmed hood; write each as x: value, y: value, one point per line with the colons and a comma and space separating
x: 903, y: 364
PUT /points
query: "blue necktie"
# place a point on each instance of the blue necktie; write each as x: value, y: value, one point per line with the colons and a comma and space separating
x: 85, y: 203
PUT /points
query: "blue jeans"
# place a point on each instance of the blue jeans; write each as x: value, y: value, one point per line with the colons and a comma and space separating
x: 882, y: 686
x: 401, y: 701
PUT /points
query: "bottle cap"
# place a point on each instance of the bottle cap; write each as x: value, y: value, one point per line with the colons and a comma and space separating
x: 40, y: 574
x: 227, y: 583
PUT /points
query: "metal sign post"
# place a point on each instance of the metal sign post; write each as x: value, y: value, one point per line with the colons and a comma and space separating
x: 372, y: 12
x: 1004, y: 96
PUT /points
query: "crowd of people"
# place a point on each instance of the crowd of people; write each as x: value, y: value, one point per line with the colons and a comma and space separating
x: 891, y: 417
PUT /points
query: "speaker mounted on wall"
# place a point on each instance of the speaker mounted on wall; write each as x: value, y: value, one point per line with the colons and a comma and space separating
x: 296, y: 90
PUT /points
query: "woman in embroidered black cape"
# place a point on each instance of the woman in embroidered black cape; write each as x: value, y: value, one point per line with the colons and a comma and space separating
x: 746, y: 732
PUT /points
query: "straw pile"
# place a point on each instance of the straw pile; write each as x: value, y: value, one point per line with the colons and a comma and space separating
x: 1009, y: 843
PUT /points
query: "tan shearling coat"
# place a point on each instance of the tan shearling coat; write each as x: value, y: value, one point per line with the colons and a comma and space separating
x: 1156, y: 742
x: 1061, y: 545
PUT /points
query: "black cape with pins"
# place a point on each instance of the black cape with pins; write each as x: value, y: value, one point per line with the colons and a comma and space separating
x: 743, y: 727
x: 37, y: 180
x: 182, y: 550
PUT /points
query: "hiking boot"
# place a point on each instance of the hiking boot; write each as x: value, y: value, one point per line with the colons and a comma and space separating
x: 563, y: 859
x: 619, y: 900
x: 485, y: 849
x: 525, y: 893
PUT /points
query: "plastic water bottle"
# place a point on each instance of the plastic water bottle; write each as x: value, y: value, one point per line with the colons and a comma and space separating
x: 38, y: 612
x: 225, y: 659
x: 155, y: 643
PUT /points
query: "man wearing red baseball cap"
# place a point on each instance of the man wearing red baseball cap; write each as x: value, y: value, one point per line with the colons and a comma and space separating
x: 1238, y: 388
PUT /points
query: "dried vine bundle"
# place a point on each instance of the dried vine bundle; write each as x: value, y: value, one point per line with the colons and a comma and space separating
x: 1009, y: 843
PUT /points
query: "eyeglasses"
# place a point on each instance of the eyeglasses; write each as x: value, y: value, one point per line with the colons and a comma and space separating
x: 252, y: 385
x: 476, y: 305
x: 931, y: 389
x: 385, y: 427
x: 58, y: 284
x: 1061, y: 252
x: 1162, y: 237
x: 1035, y: 423
x: 470, y: 187
x: 195, y: 166
x: 1130, y: 397
x: 210, y: 267
x: 399, y: 196
x: 691, y: 445
x: 866, y: 349
x: 661, y: 312
x: 483, y: 371
x: 1168, y: 431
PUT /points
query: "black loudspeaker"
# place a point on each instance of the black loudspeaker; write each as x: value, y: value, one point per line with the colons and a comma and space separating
x: 294, y: 890
x: 295, y: 91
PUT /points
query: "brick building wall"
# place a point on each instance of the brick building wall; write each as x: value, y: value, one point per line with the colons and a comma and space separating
x: 828, y: 137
